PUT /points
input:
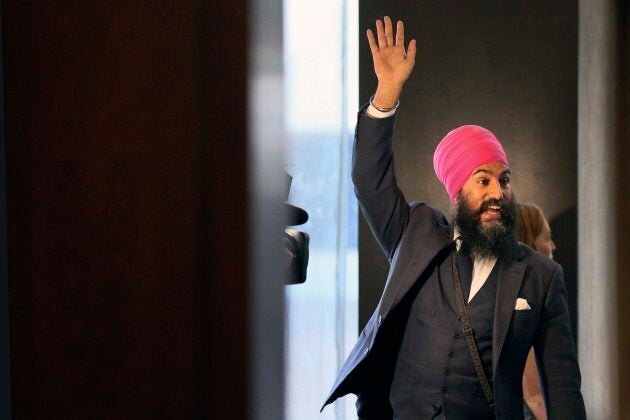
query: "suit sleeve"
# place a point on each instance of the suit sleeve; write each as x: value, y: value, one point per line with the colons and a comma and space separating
x: 375, y: 186
x: 556, y: 355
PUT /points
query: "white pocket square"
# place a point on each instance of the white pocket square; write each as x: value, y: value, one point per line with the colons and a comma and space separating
x: 522, y: 305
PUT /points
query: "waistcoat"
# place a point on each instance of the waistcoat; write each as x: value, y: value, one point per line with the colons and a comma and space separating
x: 434, y: 368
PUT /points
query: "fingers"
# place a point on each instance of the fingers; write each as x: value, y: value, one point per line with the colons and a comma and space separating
x: 400, y: 34
x: 372, y: 42
x: 389, y: 31
x: 380, y: 34
x: 411, y: 51
x: 385, y: 35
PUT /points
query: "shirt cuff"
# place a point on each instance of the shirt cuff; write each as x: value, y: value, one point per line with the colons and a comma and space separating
x: 375, y: 113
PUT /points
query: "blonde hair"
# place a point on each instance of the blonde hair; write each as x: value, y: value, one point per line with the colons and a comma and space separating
x: 530, y: 222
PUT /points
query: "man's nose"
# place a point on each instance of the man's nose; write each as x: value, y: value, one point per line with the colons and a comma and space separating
x: 495, y: 192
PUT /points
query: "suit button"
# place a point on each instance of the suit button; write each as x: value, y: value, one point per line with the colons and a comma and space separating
x: 451, y: 354
x: 444, y: 390
x: 447, y: 372
x: 380, y: 319
x: 457, y: 336
x: 435, y: 407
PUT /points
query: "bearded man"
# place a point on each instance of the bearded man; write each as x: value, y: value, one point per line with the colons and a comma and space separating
x: 463, y: 302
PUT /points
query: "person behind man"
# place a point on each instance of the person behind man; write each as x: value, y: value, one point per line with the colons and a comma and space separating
x: 463, y: 302
x: 532, y: 229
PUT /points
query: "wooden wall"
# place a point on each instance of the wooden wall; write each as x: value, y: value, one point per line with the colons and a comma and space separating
x: 127, y: 192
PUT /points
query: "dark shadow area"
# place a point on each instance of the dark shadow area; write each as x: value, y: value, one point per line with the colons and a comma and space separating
x: 623, y: 194
x: 5, y: 366
x: 564, y: 234
x: 128, y: 209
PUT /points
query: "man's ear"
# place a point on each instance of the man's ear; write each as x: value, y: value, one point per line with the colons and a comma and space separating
x: 454, y: 206
x: 455, y: 201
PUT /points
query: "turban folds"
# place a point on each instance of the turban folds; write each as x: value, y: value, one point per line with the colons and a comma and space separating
x: 462, y: 151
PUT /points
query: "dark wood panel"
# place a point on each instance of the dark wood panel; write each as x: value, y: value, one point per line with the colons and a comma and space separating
x: 126, y: 149
x: 623, y: 209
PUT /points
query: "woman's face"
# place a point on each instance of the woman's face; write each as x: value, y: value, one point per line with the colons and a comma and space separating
x: 543, y: 242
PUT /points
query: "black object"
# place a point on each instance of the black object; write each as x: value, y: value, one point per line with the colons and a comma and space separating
x: 295, y: 243
x: 296, y: 250
x: 295, y: 215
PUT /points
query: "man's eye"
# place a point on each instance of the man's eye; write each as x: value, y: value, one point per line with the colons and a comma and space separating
x: 505, y: 182
x: 482, y: 181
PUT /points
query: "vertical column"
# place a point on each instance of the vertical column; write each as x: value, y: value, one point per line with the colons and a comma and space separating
x: 266, y: 191
x: 5, y: 381
x: 597, y: 206
x: 623, y: 194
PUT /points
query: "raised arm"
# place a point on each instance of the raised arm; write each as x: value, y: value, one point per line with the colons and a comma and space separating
x: 381, y: 201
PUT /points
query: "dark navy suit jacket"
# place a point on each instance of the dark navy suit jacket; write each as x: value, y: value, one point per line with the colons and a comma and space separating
x: 415, y: 237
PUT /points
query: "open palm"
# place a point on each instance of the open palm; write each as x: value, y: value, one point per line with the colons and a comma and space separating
x: 392, y: 64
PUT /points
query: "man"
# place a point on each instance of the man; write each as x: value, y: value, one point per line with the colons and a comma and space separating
x: 413, y: 359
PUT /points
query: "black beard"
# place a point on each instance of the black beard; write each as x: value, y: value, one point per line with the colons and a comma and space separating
x: 493, y: 241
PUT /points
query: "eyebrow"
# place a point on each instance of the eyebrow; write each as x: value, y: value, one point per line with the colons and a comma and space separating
x: 506, y: 172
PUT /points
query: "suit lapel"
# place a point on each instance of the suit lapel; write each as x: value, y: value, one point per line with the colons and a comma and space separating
x: 510, y: 279
x: 423, y: 253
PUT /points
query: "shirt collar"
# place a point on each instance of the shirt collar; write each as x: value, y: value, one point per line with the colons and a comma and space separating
x: 457, y: 238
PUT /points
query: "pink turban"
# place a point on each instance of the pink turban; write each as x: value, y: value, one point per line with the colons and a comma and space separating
x: 461, y: 152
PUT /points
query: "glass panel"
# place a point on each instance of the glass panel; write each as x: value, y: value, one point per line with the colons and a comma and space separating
x: 320, y: 91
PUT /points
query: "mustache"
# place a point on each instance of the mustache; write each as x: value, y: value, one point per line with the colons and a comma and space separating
x: 486, y: 205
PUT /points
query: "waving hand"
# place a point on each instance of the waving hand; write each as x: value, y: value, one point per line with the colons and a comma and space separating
x: 392, y: 64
